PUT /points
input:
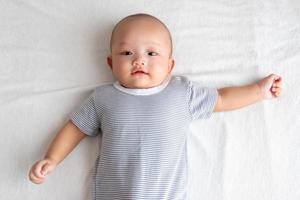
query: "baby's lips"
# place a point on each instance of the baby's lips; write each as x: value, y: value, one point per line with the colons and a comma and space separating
x: 139, y: 72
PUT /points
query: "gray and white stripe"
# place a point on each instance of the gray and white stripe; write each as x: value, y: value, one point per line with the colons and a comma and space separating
x: 143, y: 151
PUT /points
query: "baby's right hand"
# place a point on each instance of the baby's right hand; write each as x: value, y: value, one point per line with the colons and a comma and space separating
x: 40, y: 169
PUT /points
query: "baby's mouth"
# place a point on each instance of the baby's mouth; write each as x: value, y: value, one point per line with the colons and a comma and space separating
x: 139, y: 72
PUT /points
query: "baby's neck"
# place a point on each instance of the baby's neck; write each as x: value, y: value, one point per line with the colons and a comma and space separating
x: 143, y: 91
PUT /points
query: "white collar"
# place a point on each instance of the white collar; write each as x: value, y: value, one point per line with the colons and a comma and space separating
x: 144, y: 91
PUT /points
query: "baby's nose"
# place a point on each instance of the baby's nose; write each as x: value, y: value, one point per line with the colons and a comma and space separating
x: 139, y: 61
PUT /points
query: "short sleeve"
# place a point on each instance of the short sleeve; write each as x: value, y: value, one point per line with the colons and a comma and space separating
x: 201, y: 100
x: 86, y: 117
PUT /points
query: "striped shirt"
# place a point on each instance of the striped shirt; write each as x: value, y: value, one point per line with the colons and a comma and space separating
x: 143, y: 152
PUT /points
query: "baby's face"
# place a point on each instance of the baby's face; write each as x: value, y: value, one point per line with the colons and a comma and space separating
x: 140, y: 55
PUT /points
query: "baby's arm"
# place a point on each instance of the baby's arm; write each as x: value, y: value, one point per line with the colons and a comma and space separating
x: 237, y: 97
x: 64, y: 142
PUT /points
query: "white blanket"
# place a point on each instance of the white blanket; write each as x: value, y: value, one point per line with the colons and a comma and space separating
x: 53, y: 53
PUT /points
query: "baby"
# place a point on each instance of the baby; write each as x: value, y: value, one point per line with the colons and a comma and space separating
x: 144, y: 117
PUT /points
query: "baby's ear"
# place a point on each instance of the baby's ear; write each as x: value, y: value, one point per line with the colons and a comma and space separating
x: 171, y: 64
x: 109, y: 61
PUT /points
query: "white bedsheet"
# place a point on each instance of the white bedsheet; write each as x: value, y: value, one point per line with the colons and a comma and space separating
x: 53, y: 53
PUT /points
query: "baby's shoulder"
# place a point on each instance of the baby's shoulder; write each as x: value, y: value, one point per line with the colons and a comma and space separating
x: 189, y: 84
x: 179, y: 78
x: 102, y: 89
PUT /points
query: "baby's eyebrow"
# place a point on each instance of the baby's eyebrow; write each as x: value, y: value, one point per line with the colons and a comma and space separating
x: 149, y: 43
x: 154, y: 43
x: 123, y: 43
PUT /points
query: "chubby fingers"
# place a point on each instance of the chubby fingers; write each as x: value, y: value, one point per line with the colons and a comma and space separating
x: 36, y: 175
x: 277, y: 80
x: 276, y: 91
x: 276, y: 85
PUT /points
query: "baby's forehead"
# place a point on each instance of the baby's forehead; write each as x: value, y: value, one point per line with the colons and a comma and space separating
x: 140, y: 22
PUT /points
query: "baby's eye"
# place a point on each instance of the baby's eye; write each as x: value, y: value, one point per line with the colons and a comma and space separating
x: 126, y: 53
x: 151, y: 53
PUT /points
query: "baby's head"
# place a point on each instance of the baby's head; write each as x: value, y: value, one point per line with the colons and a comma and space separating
x: 141, y: 51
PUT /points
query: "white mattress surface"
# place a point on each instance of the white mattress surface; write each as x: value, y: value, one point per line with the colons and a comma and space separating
x: 53, y: 53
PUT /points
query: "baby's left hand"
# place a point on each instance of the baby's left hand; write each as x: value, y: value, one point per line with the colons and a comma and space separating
x: 270, y: 86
